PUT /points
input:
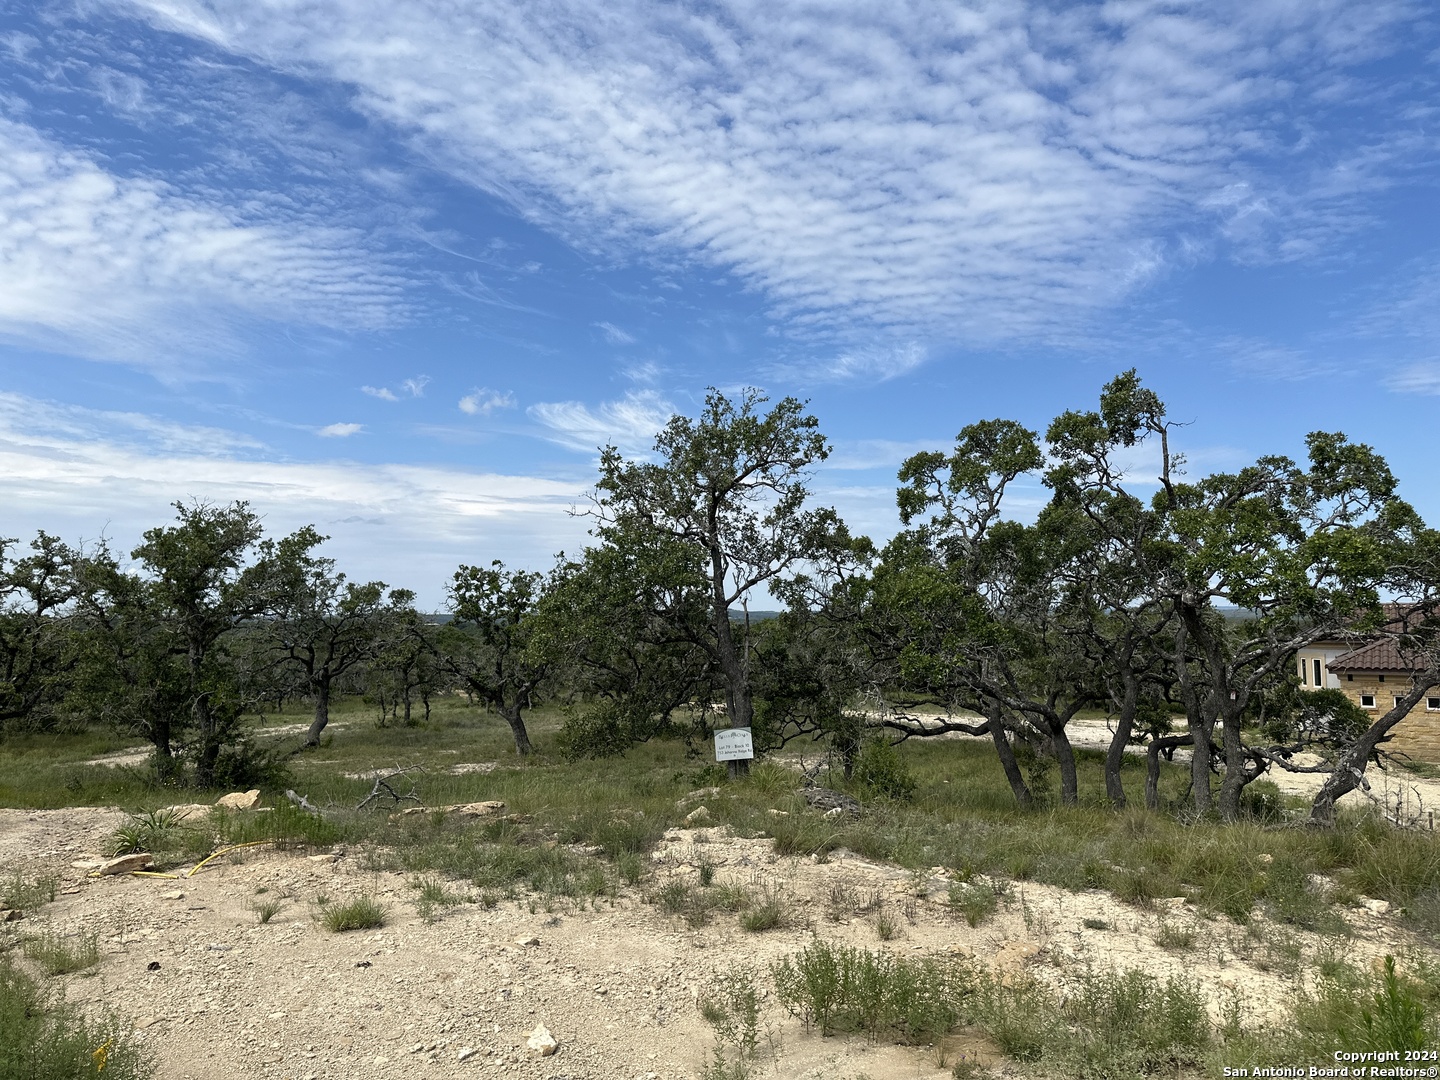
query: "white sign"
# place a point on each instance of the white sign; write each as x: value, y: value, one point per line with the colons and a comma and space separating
x: 734, y: 744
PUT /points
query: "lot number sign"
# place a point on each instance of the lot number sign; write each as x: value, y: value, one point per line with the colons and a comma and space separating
x: 734, y: 744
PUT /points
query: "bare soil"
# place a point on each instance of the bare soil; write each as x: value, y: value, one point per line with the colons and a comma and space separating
x: 216, y: 994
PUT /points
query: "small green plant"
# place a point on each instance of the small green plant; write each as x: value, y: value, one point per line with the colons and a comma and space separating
x: 835, y: 988
x: 731, y: 1004
x: 27, y: 896
x: 154, y: 831
x: 58, y: 955
x: 841, y: 902
x: 1394, y: 1019
x: 886, y: 927
x: 969, y: 1067
x: 362, y: 913
x: 768, y: 909
x: 431, y: 895
x: 1095, y: 924
x: 42, y: 1037
x: 1173, y: 937
x: 265, y: 910
x: 975, y: 902
x: 707, y: 873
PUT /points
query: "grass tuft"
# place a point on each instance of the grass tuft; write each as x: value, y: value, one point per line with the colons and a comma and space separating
x: 362, y: 913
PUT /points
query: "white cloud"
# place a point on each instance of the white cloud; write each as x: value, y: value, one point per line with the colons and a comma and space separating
x: 133, y: 269
x: 483, y: 401
x: 630, y: 423
x: 81, y: 472
x: 340, y: 431
x: 873, y: 363
x: 986, y: 172
x: 614, y: 335
x: 1423, y: 378
x: 412, y: 387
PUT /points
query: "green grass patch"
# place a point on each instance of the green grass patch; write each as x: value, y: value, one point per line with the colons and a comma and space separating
x: 361, y: 913
x: 58, y: 954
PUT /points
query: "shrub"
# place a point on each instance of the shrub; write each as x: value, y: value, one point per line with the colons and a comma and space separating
x: 836, y: 988
x: 1111, y: 1025
x: 974, y: 901
x: 1359, y: 1011
x: 44, y: 1038
x: 879, y: 768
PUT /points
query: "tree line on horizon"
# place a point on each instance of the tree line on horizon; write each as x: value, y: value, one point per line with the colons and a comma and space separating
x: 1120, y: 596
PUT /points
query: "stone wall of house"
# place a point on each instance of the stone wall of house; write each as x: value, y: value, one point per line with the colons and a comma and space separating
x: 1419, y: 733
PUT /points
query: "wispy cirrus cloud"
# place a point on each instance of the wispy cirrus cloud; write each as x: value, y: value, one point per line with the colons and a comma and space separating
x: 987, y: 173
x: 1421, y: 378
x: 133, y: 269
x: 614, y: 335
x: 630, y: 423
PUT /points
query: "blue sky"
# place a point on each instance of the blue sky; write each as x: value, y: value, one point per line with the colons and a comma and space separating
x: 399, y: 269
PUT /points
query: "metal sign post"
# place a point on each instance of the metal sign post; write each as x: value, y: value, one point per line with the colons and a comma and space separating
x: 736, y: 748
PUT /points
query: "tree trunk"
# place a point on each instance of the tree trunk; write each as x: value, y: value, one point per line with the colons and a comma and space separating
x: 1065, y: 757
x: 209, y: 743
x: 1152, y: 771
x: 425, y: 700
x: 1001, y: 738
x: 1234, y: 781
x: 322, y: 711
x: 1115, y: 753
x: 1200, y: 762
x: 1350, y: 768
x: 511, y: 712
x: 1198, y: 717
x: 738, y: 706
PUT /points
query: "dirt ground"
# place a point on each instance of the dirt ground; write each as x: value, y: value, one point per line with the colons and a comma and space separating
x: 216, y: 994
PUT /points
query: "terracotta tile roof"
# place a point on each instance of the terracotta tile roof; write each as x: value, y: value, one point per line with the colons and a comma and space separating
x: 1382, y: 655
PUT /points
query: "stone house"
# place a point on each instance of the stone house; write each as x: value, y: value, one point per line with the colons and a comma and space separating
x: 1374, y: 676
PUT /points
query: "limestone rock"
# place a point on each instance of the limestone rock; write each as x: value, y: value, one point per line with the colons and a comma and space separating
x: 465, y: 1053
x: 527, y: 939
x: 240, y: 800
x: 11, y: 914
x: 1010, y: 960
x: 489, y: 808
x: 188, y: 811
x: 825, y: 799
x: 1375, y: 907
x: 1173, y: 903
x: 698, y: 795
x: 699, y: 816
x: 124, y: 864
x: 542, y: 1042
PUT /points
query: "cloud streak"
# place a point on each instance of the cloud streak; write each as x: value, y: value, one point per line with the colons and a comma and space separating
x: 132, y: 269
x: 630, y: 423
x: 989, y: 172
x: 82, y: 472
